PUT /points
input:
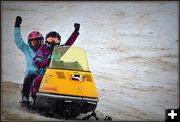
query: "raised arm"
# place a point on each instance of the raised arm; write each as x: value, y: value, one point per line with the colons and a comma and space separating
x: 17, y: 35
x: 73, y: 36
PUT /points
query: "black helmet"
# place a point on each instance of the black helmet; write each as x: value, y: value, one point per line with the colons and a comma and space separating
x: 52, y: 38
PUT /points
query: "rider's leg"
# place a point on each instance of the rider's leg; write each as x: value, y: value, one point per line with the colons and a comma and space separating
x: 35, y: 85
x: 26, y: 85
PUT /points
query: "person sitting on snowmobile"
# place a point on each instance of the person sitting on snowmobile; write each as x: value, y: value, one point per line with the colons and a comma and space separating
x: 35, y: 40
x: 43, y: 55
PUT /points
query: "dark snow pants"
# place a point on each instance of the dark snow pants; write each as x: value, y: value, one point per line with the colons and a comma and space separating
x: 27, y: 83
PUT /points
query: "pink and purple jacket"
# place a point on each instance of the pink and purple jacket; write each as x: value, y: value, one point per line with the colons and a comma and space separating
x: 43, y: 55
x: 42, y: 60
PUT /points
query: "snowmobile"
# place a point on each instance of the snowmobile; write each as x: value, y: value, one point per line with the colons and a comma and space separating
x: 68, y: 85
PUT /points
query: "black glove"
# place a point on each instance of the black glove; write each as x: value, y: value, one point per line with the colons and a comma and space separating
x: 76, y: 26
x: 18, y: 21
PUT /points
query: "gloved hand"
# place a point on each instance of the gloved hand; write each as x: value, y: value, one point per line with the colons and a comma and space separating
x: 76, y: 26
x: 18, y: 21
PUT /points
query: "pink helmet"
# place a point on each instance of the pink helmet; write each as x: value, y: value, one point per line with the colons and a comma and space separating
x: 35, y: 35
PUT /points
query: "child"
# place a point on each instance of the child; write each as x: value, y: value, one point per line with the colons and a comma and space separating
x: 43, y: 55
x: 35, y: 39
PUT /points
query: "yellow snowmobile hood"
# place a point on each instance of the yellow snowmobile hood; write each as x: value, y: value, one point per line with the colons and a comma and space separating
x: 68, y: 74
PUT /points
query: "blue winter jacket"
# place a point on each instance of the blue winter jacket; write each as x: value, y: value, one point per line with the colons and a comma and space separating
x: 28, y: 52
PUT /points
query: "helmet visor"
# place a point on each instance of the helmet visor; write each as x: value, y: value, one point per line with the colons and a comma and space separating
x: 53, y: 39
x: 34, y: 42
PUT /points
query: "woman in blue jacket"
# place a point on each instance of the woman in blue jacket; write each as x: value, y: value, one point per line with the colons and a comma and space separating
x: 35, y: 39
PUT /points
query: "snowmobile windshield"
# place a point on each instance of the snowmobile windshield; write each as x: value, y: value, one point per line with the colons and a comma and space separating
x: 69, y: 57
